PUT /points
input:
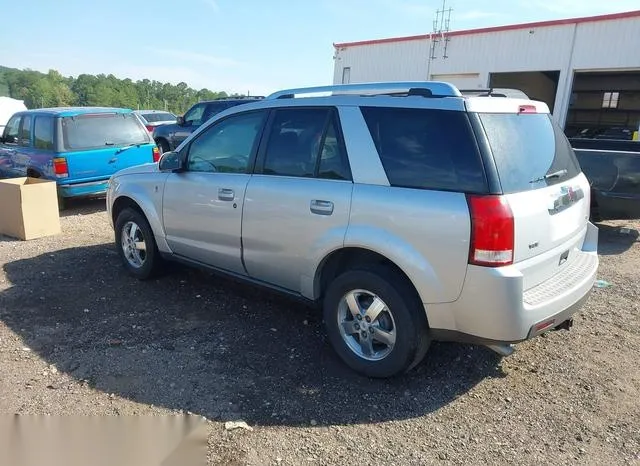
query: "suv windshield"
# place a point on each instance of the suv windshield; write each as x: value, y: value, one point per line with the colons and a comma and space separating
x: 93, y: 131
x: 530, y: 150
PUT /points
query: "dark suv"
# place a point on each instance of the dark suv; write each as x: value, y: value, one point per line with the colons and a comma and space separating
x: 168, y: 137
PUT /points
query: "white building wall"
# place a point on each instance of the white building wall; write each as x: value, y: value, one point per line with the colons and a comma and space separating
x: 597, y: 45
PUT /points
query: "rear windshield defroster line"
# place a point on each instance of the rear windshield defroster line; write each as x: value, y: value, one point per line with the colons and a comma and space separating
x: 94, y: 131
x: 530, y: 150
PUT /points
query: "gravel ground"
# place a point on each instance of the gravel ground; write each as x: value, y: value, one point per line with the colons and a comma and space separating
x: 78, y: 336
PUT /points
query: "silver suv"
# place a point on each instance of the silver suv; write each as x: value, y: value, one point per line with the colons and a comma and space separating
x: 409, y: 211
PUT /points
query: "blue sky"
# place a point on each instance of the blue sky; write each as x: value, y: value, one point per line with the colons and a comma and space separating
x: 237, y: 45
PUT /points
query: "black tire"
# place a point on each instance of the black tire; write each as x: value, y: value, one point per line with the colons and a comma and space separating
x: 412, y: 335
x: 153, y: 263
x: 62, y: 203
x: 163, y: 146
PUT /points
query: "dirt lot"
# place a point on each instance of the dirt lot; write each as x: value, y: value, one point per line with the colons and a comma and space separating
x: 78, y: 336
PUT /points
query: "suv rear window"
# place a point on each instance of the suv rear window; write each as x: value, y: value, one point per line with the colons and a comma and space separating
x: 98, y: 130
x: 427, y: 149
x: 526, y: 147
x: 155, y: 117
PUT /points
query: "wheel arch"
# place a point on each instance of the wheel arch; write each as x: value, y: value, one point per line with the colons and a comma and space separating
x: 33, y: 172
x: 162, y: 138
x: 347, y: 258
x: 148, y: 211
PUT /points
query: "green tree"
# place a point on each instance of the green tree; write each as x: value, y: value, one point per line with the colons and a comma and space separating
x: 52, y: 89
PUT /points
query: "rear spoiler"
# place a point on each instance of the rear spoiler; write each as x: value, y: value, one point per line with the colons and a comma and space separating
x: 510, y: 93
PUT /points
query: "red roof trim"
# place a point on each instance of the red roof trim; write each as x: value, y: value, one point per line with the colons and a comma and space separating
x: 511, y: 27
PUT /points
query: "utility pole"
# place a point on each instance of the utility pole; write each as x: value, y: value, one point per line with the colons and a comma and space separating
x: 440, y: 33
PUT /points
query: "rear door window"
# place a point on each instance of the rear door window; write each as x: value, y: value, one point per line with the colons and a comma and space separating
x: 25, y: 131
x: 527, y: 148
x: 94, y: 131
x: 426, y: 148
x: 43, y: 133
x: 294, y: 141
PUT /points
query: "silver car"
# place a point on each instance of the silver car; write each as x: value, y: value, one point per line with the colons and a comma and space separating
x: 408, y: 211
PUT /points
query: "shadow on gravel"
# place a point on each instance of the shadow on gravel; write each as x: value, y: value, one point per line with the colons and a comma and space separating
x: 615, y: 240
x: 191, y: 341
x: 83, y: 206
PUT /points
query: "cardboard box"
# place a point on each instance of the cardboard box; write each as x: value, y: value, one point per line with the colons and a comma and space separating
x: 29, y: 208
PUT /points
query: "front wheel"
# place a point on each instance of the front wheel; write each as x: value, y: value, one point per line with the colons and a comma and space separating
x: 136, y: 245
x: 375, y: 323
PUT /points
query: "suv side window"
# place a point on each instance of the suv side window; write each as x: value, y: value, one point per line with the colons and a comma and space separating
x: 226, y: 147
x: 303, y: 142
x: 25, y: 131
x: 333, y: 163
x: 194, y: 115
x: 43, y: 132
x: 12, y: 130
x: 427, y: 149
x: 213, y: 109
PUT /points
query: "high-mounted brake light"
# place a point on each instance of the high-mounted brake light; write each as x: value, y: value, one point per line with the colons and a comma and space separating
x: 60, y: 167
x: 527, y: 109
x: 156, y: 153
x: 149, y: 128
x: 492, y: 231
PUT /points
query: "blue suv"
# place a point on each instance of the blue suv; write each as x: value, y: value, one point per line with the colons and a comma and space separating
x: 79, y: 148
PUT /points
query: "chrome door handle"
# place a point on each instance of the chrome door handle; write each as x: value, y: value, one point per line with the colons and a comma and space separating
x: 321, y: 207
x: 225, y: 194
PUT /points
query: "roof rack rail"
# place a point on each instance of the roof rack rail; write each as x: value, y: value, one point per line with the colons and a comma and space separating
x: 496, y: 92
x: 421, y: 88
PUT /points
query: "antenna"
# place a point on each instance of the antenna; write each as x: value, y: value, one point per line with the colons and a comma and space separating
x: 440, y: 33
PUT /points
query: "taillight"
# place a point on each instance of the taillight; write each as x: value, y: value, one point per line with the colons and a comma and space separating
x: 156, y: 153
x: 60, y: 168
x: 149, y: 128
x: 492, y: 231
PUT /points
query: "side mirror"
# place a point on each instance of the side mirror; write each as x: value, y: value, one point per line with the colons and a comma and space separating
x: 170, y: 162
x: 9, y: 140
x: 180, y: 120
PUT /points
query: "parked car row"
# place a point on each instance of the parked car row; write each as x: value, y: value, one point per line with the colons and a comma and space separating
x: 80, y: 148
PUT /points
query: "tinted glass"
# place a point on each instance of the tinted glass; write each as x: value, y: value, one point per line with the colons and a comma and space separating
x: 294, y: 142
x: 427, y: 149
x: 333, y: 160
x: 12, y: 129
x: 43, y: 133
x: 226, y: 146
x: 159, y: 116
x: 102, y: 130
x: 194, y: 115
x: 25, y: 131
x: 526, y: 147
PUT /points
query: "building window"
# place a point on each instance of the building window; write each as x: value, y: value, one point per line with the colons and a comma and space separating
x: 610, y: 99
x: 346, y: 75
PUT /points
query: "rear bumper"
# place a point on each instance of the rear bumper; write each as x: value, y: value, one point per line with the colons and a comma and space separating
x: 493, y: 308
x: 89, y: 189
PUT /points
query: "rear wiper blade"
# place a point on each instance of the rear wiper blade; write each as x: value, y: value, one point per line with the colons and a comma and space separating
x: 128, y: 146
x: 558, y: 174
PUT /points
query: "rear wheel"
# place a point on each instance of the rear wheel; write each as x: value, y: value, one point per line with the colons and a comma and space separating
x: 136, y: 245
x: 375, y: 323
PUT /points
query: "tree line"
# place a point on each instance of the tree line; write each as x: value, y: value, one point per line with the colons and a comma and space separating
x: 39, y: 90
